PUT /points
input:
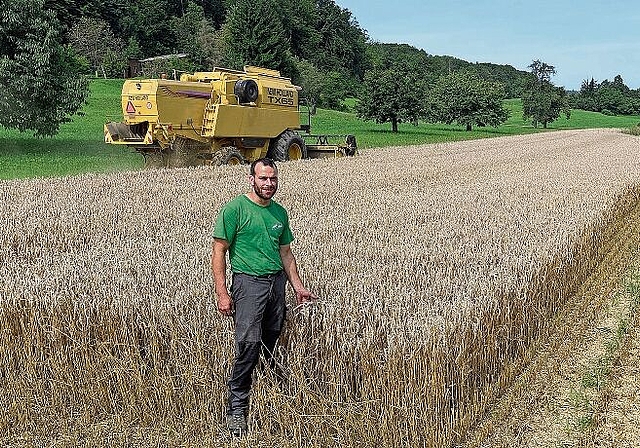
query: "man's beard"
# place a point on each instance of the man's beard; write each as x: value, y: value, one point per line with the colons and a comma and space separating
x: 261, y: 195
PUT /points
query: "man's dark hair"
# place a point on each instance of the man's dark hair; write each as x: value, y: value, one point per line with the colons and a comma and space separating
x: 266, y: 161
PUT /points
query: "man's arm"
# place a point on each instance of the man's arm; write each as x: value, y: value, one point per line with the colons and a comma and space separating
x: 291, y: 269
x: 219, y: 268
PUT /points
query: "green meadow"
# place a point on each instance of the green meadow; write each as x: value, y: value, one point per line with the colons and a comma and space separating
x: 79, y: 146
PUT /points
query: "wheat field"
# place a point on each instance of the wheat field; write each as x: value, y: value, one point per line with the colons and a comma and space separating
x: 437, y: 266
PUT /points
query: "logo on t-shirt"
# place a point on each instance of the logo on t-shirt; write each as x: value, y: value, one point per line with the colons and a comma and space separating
x: 277, y: 226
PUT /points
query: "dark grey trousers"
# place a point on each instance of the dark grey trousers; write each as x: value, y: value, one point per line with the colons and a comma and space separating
x: 260, y: 308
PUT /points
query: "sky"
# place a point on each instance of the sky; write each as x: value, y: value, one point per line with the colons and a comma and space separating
x: 582, y: 39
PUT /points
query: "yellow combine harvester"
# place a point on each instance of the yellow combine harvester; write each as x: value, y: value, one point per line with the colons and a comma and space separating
x: 217, y: 118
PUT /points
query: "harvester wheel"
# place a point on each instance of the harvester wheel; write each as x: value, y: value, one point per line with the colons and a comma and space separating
x: 155, y: 160
x: 183, y: 153
x: 227, y: 156
x: 288, y: 146
x: 233, y: 158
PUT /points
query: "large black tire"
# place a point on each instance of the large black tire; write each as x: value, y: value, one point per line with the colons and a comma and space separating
x: 228, y: 156
x: 246, y: 90
x: 233, y: 157
x: 288, y: 146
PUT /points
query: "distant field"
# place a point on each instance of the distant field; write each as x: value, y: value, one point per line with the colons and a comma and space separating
x: 79, y: 148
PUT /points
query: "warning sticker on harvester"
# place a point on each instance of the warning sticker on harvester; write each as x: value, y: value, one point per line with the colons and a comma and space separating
x: 131, y: 108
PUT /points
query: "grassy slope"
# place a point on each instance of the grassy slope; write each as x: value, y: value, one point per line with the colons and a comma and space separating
x: 78, y: 148
x: 375, y: 135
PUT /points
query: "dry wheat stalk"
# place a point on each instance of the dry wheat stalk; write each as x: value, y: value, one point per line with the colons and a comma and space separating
x: 436, y: 266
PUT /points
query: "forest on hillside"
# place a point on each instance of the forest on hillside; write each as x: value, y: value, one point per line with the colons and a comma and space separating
x: 317, y: 43
x: 46, y: 44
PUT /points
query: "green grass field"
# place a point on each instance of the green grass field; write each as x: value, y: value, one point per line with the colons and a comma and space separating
x: 79, y: 148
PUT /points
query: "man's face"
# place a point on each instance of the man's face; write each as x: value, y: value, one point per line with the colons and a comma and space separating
x: 265, y: 181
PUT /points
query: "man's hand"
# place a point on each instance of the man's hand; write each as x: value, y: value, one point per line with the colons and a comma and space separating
x: 225, y: 305
x: 219, y: 268
x: 291, y: 269
x: 304, y: 295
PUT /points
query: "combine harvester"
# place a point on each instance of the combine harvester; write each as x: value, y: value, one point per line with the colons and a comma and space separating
x: 218, y: 118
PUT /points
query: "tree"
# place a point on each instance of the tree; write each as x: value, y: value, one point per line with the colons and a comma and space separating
x: 40, y: 85
x: 342, y: 41
x: 298, y: 19
x: 433, y: 67
x: 612, y: 98
x: 542, y: 71
x: 94, y: 40
x: 148, y: 21
x: 464, y: 98
x: 336, y: 86
x: 542, y: 102
x: 111, y: 11
x: 197, y: 37
x: 67, y: 12
x: 214, y: 11
x: 393, y: 92
x: 310, y: 79
x: 586, y: 98
x: 607, y: 97
x: 254, y: 34
x: 589, y: 87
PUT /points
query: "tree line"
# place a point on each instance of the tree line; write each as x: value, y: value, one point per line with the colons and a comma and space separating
x: 46, y: 44
x: 607, y: 97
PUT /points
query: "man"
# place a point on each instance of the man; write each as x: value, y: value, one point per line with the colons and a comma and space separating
x: 255, y: 231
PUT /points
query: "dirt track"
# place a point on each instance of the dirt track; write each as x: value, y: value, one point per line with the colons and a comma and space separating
x: 618, y: 418
x: 580, y: 388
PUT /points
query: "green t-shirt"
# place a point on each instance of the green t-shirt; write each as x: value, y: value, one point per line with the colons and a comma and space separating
x: 255, y: 234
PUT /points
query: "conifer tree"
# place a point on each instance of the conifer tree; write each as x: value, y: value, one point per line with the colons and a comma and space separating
x: 254, y: 35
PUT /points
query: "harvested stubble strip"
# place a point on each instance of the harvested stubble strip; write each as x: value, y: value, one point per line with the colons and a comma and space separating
x: 435, y: 274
